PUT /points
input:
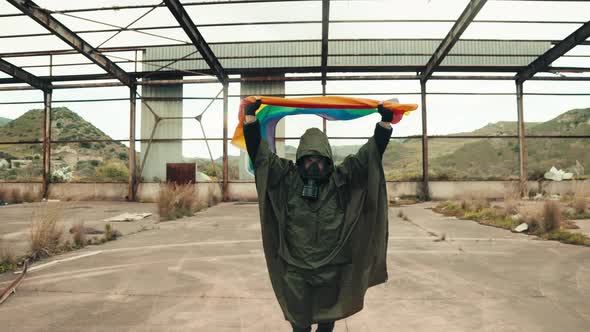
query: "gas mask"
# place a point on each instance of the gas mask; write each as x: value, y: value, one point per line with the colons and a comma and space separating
x: 314, y: 171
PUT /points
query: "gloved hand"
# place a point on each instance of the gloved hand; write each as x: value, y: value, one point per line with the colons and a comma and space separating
x: 386, y: 115
x: 251, y: 108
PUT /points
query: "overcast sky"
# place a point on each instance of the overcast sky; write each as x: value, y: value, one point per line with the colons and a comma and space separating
x: 446, y: 114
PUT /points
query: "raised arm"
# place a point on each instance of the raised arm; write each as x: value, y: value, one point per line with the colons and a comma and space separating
x: 354, y: 167
x: 258, y: 149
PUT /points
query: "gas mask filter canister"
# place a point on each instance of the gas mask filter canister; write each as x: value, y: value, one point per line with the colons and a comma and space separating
x: 312, y: 178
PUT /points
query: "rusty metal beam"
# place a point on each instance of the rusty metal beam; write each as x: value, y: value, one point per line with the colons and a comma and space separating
x: 543, y: 62
x: 425, y: 186
x: 186, y: 23
x: 132, y: 162
x: 452, y: 37
x: 43, y: 17
x: 521, y: 138
x: 24, y: 76
x: 325, y: 34
x: 225, y: 185
x: 46, y: 142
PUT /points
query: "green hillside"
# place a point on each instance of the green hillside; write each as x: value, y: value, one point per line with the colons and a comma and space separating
x: 4, y: 121
x: 100, y: 161
x: 450, y: 158
x: 480, y: 158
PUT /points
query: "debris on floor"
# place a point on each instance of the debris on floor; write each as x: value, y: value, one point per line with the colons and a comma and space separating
x: 558, y: 174
x: 522, y: 227
x: 11, y: 289
x: 128, y: 217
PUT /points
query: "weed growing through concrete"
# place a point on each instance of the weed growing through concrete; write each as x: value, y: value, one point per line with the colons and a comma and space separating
x: 176, y: 201
x: 110, y: 233
x: 16, y: 196
x: 79, y: 234
x: 47, y: 238
x: 8, y: 260
x: 29, y: 197
x: 46, y: 233
x: 551, y: 216
x: 547, y: 223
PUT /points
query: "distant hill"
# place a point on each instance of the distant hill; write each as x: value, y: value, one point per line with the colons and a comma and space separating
x: 479, y: 158
x: 498, y: 158
x: 450, y: 158
x: 4, y: 121
x: 100, y: 161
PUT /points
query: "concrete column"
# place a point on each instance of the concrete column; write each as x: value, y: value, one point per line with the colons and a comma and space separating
x: 425, y: 186
x: 132, y: 167
x: 165, y: 101
x: 46, y: 141
x: 521, y: 138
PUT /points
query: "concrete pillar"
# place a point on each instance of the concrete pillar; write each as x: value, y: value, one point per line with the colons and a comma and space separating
x: 262, y: 88
x: 164, y: 101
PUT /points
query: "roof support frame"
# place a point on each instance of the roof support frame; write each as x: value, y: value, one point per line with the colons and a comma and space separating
x: 43, y: 17
x: 452, y: 37
x: 542, y: 62
x: 325, y: 30
x: 25, y: 76
x: 195, y: 36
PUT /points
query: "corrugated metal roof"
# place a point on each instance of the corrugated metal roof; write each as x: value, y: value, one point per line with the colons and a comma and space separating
x: 395, y: 52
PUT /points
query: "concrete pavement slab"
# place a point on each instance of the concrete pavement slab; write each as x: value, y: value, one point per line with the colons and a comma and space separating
x: 208, y: 273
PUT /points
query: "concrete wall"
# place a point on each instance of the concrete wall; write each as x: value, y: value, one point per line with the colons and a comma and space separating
x: 161, y: 153
x: 441, y: 190
x: 206, y: 192
x: 88, y: 191
x: 246, y: 191
x: 34, y: 188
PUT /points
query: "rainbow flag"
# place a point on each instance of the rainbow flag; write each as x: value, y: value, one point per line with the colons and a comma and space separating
x: 330, y: 108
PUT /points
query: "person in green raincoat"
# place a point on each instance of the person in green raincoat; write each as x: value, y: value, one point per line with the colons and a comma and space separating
x: 324, y: 226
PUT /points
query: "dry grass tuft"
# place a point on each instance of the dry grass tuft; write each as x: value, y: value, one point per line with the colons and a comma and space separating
x: 475, y: 204
x: 110, y: 233
x: 16, y: 196
x: 46, y: 233
x: 580, y: 204
x: 511, y: 207
x: 176, y: 201
x: 551, y: 216
x: 534, y: 219
x: 79, y: 234
x: 8, y: 260
x: 30, y: 196
x: 543, y: 220
x: 6, y: 253
x: 511, y: 199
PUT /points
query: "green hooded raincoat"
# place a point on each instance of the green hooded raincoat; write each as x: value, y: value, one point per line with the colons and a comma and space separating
x: 323, y: 255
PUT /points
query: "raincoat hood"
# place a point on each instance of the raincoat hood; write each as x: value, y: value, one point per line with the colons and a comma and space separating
x: 314, y: 143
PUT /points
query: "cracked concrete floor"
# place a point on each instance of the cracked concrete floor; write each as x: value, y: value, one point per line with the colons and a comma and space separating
x: 207, y: 273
